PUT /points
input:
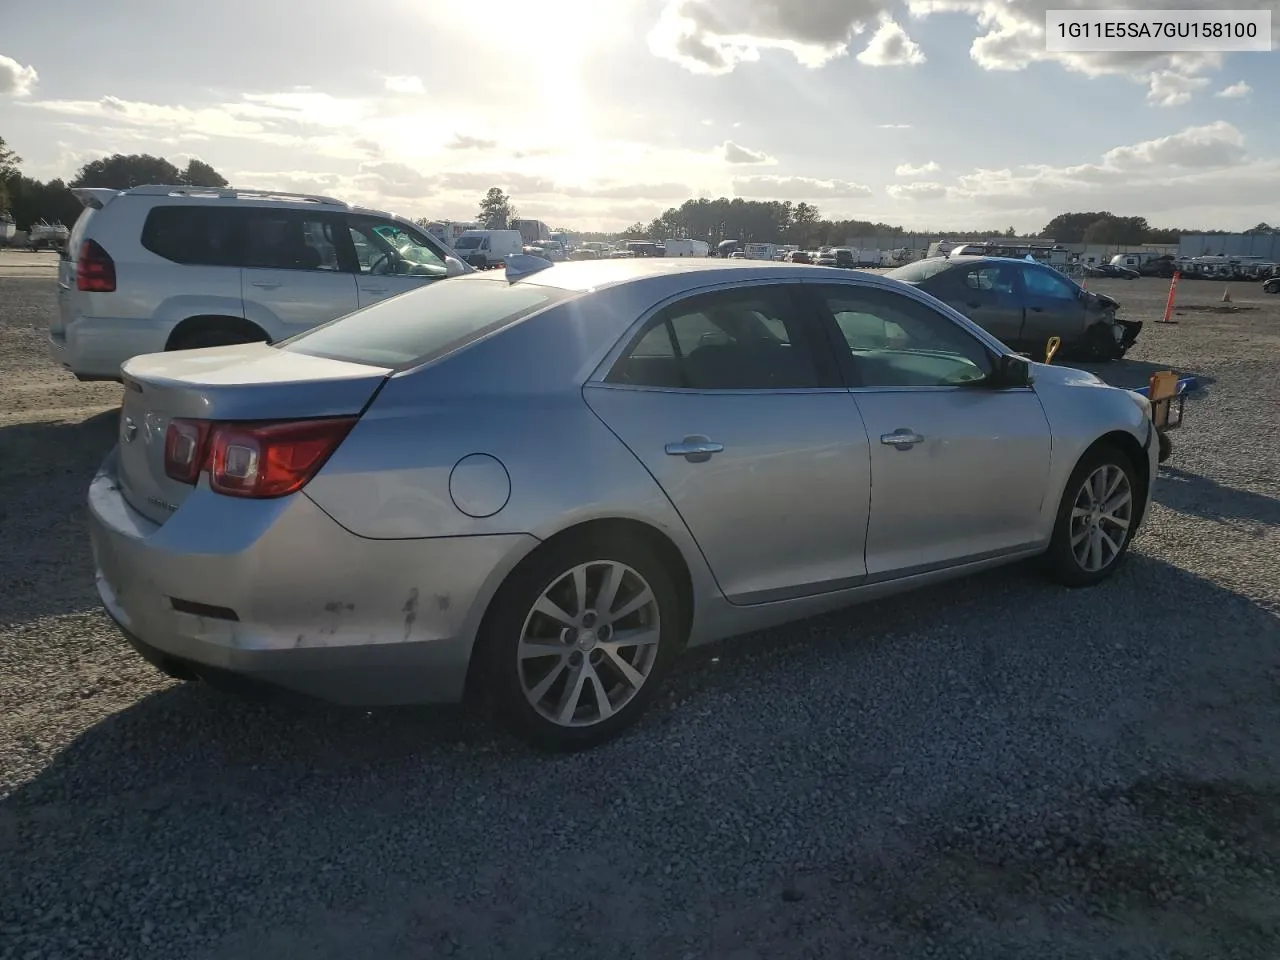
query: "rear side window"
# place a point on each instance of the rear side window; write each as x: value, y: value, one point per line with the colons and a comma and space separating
x: 190, y: 234
x: 424, y: 324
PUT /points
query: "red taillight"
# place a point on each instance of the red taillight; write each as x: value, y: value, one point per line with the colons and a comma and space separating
x: 184, y: 449
x: 95, y: 270
x: 258, y: 460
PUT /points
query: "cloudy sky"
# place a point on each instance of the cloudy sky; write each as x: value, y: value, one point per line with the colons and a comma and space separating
x: 596, y: 113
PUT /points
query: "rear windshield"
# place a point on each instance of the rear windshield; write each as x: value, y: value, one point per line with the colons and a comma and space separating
x: 919, y: 271
x: 424, y: 324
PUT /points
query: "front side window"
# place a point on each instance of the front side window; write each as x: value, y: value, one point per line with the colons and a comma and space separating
x: 384, y: 248
x: 1042, y: 282
x: 731, y: 340
x: 895, y: 341
x: 272, y: 239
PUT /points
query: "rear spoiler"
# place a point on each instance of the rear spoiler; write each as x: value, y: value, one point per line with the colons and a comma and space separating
x: 94, y: 197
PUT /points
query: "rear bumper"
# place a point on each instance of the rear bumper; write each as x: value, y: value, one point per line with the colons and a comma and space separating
x: 93, y: 348
x: 316, y: 609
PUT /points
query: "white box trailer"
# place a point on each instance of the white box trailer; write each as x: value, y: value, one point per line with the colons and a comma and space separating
x: 687, y: 248
x: 760, y: 251
x: 867, y: 258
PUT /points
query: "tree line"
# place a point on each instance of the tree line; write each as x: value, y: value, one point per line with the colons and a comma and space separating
x: 29, y: 200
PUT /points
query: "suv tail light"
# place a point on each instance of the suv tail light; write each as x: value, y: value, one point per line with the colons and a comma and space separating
x: 95, y: 270
x: 255, y: 460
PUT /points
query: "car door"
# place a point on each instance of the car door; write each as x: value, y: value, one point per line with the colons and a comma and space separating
x: 291, y: 276
x: 1054, y: 307
x: 987, y: 293
x: 391, y: 259
x: 732, y: 402
x: 958, y: 468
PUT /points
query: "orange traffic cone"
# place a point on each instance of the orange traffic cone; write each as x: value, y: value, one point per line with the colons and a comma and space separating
x: 1226, y: 295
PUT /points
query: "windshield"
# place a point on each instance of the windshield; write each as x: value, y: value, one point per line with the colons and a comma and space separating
x: 424, y: 324
x: 919, y: 271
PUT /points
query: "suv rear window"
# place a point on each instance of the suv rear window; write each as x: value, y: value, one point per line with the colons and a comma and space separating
x: 191, y: 234
x: 424, y: 324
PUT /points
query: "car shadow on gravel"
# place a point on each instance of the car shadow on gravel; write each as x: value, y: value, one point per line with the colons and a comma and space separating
x: 1200, y: 496
x: 45, y: 469
x: 195, y: 793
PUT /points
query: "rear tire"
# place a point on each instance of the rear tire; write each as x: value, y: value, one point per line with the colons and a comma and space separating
x: 1096, y: 519
x: 578, y: 640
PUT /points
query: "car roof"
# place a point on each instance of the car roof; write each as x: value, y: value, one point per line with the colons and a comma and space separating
x: 581, y: 276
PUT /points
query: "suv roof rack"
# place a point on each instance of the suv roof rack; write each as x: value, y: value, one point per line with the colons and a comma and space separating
x: 228, y: 193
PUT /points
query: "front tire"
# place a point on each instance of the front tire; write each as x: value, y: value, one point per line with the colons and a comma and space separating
x: 1096, y: 519
x: 578, y: 640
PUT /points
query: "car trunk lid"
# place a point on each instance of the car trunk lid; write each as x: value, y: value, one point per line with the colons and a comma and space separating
x: 245, y: 382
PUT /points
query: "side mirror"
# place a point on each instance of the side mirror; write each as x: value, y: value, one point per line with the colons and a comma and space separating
x: 1012, y: 371
x: 454, y: 267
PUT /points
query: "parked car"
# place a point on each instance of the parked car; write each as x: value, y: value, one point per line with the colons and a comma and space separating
x: 844, y: 258
x: 799, y: 256
x: 173, y: 268
x: 1025, y: 304
x: 1163, y: 267
x: 1110, y: 270
x: 1271, y: 286
x: 378, y: 511
x: 483, y: 249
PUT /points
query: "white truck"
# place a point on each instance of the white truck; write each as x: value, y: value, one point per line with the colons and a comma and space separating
x: 687, y: 248
x: 489, y: 248
x: 760, y: 251
x: 531, y: 231
x: 449, y: 231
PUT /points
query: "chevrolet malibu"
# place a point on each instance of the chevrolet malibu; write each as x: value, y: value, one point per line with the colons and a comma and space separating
x: 540, y: 486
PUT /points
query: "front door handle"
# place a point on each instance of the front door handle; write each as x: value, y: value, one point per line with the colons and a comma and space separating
x: 265, y: 284
x: 902, y: 438
x: 1037, y: 309
x: 695, y: 448
x: 374, y: 289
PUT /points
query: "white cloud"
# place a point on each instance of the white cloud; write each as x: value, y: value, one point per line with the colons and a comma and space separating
x: 912, y: 170
x: 1213, y: 145
x: 735, y: 153
x: 1169, y: 89
x: 891, y: 47
x: 1201, y: 174
x: 917, y: 191
x: 717, y: 36
x: 460, y: 142
x: 1235, y: 91
x: 404, y: 84
x: 797, y: 188
x: 15, y: 79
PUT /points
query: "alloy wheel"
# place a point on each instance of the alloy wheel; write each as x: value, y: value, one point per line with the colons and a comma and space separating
x: 1101, y: 517
x: 589, y: 643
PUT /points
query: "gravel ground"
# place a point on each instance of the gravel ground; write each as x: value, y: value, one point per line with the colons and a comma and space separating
x: 996, y: 768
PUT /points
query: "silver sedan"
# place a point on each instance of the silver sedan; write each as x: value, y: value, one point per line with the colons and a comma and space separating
x: 541, y: 486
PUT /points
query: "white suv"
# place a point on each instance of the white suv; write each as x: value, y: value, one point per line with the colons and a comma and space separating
x: 172, y: 268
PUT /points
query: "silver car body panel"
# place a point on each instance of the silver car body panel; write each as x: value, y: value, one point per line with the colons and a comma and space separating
x: 457, y: 469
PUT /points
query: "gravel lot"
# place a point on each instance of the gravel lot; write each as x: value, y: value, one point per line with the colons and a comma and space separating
x: 997, y: 768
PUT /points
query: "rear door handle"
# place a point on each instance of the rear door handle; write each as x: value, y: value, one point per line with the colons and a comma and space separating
x: 1036, y: 309
x: 265, y: 284
x: 902, y: 438
x: 374, y: 289
x: 695, y: 449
